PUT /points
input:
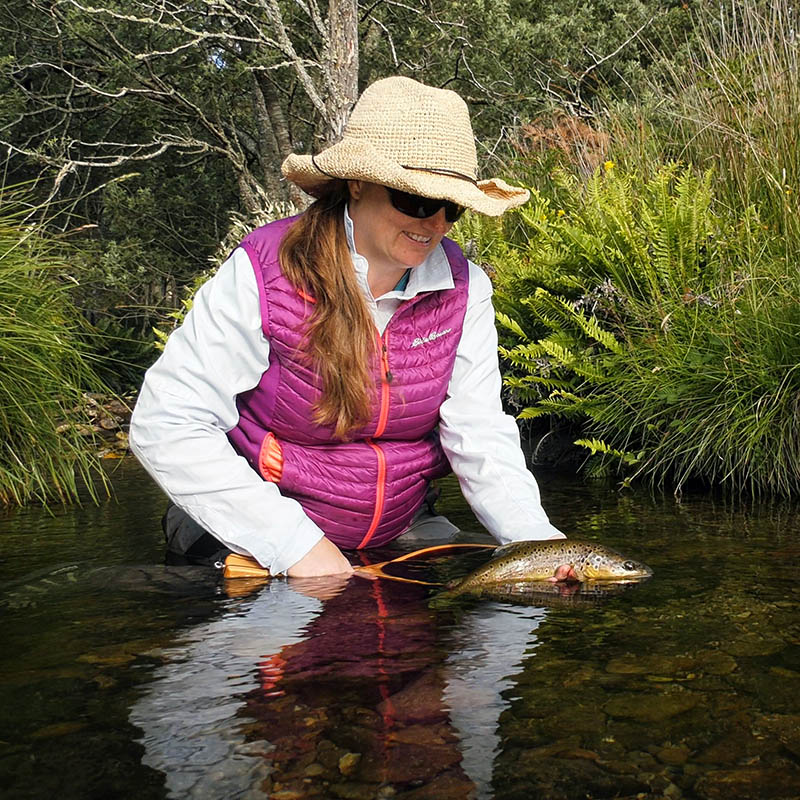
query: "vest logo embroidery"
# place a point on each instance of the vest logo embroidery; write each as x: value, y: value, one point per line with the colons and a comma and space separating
x: 430, y: 337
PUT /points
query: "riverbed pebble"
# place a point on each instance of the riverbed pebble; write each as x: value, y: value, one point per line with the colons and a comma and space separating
x: 649, y: 707
x: 348, y: 763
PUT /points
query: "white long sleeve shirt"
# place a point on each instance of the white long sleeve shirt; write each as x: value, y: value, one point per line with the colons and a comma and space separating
x: 187, y: 404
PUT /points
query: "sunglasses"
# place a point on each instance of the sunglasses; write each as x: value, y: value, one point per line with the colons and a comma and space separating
x: 412, y: 205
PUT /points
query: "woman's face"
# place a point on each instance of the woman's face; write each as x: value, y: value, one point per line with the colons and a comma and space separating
x: 385, y: 236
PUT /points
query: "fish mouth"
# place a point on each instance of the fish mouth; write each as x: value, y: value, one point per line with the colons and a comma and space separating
x: 630, y: 571
x: 642, y: 572
x: 634, y: 577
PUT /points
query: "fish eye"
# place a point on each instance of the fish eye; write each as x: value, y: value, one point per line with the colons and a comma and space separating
x: 630, y: 565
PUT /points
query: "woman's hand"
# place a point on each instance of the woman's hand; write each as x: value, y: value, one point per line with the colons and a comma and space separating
x: 324, y: 558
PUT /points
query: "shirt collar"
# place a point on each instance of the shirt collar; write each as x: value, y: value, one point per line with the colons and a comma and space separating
x: 432, y: 275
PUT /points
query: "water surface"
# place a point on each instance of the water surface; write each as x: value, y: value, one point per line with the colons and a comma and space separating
x: 120, y: 677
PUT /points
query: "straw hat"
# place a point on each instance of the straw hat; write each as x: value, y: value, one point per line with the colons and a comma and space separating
x: 411, y: 137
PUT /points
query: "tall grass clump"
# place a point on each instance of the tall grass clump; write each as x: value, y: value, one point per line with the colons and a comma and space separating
x: 734, y: 106
x: 45, y: 444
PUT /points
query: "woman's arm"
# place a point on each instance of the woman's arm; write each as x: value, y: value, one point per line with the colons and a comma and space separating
x: 187, y: 404
x: 480, y: 440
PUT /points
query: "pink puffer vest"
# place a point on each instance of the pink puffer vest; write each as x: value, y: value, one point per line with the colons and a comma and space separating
x: 367, y: 490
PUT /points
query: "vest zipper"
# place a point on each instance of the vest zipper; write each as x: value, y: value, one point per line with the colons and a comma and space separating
x: 386, y: 379
x: 380, y: 493
x: 383, y: 416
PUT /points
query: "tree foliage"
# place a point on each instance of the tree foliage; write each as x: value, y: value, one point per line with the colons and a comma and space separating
x: 155, y: 120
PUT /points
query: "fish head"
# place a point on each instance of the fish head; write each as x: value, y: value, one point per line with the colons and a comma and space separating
x: 604, y: 564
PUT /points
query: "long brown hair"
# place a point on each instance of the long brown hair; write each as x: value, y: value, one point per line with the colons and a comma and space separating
x: 340, y: 343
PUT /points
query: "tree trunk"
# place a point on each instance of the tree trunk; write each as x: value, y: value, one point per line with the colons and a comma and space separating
x: 342, y: 66
x: 268, y: 153
x: 280, y: 131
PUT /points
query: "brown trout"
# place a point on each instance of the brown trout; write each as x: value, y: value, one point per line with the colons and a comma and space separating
x: 532, y: 561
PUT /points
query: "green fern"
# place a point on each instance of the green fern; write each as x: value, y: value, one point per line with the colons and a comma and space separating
x: 595, y: 446
x: 510, y: 324
x: 617, y: 312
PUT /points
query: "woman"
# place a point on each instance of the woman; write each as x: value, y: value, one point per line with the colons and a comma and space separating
x: 341, y: 360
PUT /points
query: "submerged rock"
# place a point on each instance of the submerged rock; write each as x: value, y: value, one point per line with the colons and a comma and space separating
x: 568, y: 779
x: 348, y: 763
x: 353, y: 791
x: 646, y: 707
x: 673, y: 755
x: 786, y: 728
x: 737, y: 745
x: 58, y: 729
x: 713, y: 662
x: 650, y: 663
x: 749, y: 783
x: 755, y: 644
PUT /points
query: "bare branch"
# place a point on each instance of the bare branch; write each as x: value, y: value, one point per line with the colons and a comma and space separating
x: 311, y: 9
x: 310, y: 89
x: 67, y: 164
x: 601, y: 61
x: 90, y: 87
x: 388, y: 38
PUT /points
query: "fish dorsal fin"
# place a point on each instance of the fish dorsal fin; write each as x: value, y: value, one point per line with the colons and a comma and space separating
x: 505, y: 549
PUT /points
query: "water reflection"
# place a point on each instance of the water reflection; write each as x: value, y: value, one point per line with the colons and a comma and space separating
x: 487, y: 648
x: 362, y: 695
x: 188, y: 711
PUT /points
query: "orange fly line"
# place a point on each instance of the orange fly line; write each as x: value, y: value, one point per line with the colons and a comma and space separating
x: 237, y: 566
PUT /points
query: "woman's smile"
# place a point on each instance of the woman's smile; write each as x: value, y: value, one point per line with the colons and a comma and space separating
x: 418, y: 238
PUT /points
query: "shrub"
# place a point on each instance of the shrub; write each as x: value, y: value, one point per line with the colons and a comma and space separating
x: 665, y: 329
x: 239, y: 227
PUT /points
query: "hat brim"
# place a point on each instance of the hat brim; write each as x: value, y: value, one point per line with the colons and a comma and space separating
x: 359, y: 160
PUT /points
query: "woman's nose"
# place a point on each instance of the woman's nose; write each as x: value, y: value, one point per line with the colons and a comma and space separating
x: 438, y: 224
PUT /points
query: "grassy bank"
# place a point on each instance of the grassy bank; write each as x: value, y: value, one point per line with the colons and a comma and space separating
x: 46, y: 447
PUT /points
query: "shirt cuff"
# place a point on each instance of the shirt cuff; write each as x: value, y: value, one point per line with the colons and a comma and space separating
x: 296, y: 546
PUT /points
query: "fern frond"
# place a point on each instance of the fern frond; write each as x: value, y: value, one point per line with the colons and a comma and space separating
x: 592, y: 329
x: 527, y: 382
x: 561, y: 354
x: 596, y: 446
x: 511, y: 325
x: 523, y: 353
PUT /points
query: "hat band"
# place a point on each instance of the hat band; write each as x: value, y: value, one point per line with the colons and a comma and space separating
x: 449, y: 172
x: 319, y: 169
x: 433, y: 170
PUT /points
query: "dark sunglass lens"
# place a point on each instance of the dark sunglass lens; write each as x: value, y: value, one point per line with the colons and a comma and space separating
x: 452, y: 211
x: 409, y: 204
x: 423, y: 207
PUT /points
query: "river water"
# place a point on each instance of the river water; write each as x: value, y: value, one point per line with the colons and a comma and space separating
x: 120, y: 677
